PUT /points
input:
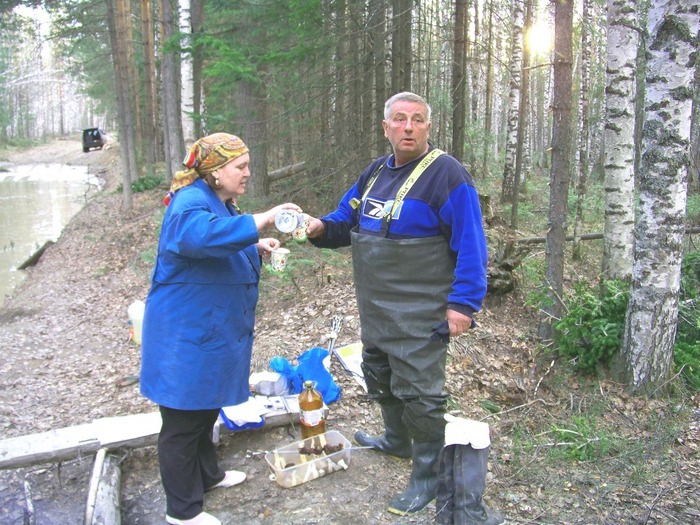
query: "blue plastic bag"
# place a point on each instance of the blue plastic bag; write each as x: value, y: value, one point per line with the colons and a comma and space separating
x: 310, y: 368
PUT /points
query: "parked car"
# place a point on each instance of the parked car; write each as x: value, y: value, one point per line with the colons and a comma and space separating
x: 93, y: 138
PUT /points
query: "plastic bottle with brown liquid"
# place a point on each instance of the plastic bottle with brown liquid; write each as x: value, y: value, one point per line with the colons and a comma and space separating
x: 311, y: 414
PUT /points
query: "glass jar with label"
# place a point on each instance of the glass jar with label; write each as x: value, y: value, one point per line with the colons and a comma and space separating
x: 311, y: 416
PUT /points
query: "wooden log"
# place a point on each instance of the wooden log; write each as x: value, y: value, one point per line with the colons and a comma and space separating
x: 134, y: 431
x: 587, y: 236
x: 287, y: 171
x: 29, y: 516
x: 104, y: 492
x: 34, y: 258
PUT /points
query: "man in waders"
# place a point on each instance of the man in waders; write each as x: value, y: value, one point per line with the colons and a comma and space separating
x: 419, y: 258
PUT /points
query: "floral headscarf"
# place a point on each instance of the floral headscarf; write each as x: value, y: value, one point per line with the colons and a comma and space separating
x: 205, y: 156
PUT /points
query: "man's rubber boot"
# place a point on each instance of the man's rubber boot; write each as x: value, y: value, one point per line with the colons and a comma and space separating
x: 444, y: 499
x: 395, y: 441
x: 469, y: 471
x: 424, y: 479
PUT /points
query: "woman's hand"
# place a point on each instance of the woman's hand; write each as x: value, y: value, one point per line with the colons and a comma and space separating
x: 267, y: 218
x: 267, y: 246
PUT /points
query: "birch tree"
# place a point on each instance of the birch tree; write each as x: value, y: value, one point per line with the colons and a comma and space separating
x: 623, y: 39
x: 186, y: 74
x: 516, y: 63
x: 584, y: 141
x: 652, y: 314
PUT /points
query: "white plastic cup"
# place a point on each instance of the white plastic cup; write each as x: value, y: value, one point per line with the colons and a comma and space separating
x: 278, y: 259
x: 136, y: 311
x: 299, y: 234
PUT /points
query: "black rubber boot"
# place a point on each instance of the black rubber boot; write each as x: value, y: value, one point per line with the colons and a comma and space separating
x: 444, y: 500
x: 424, y: 479
x: 460, y: 502
x: 395, y: 441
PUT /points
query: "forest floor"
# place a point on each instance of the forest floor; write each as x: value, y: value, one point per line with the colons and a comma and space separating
x: 565, y: 449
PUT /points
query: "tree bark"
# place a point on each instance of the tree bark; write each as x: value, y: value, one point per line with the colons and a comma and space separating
x: 488, y: 92
x: 514, y: 102
x: 523, y: 121
x: 623, y: 38
x: 116, y: 19
x: 170, y: 81
x: 652, y: 314
x: 252, y: 112
x: 149, y: 113
x: 560, y: 172
x: 197, y: 20
x: 401, y: 50
x: 584, y: 135
x: 186, y: 73
x: 459, y: 66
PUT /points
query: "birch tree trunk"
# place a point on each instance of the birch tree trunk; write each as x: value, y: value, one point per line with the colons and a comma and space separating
x: 561, y: 164
x: 488, y: 95
x: 523, y: 119
x: 516, y: 63
x: 186, y: 78
x: 652, y: 314
x: 623, y: 39
x: 584, y: 141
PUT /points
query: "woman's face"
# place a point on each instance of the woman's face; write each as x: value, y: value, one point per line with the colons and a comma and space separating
x: 233, y: 177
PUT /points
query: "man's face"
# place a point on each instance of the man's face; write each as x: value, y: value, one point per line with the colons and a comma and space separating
x: 408, y: 130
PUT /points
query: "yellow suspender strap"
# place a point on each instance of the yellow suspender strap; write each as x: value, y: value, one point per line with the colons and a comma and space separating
x: 411, y: 180
x: 407, y: 185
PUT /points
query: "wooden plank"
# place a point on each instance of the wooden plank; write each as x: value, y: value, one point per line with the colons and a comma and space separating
x: 104, y: 493
x: 134, y: 431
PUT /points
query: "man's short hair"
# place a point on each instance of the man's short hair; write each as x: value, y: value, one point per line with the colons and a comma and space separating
x: 406, y: 96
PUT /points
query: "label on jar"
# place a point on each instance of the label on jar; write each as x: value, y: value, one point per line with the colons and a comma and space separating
x: 311, y: 418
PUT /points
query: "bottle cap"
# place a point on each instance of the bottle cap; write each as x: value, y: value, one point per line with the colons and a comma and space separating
x: 308, y: 384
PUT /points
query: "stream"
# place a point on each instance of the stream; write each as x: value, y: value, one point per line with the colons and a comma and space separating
x: 36, y: 203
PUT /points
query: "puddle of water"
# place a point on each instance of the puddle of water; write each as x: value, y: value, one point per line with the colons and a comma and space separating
x: 36, y: 203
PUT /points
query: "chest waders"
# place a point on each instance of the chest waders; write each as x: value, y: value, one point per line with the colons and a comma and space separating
x: 402, y: 288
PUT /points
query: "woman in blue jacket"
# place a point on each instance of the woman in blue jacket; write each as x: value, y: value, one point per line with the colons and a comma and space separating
x: 199, y: 319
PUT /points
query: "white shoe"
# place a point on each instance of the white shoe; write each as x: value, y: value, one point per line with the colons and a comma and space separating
x: 233, y: 477
x: 203, y: 518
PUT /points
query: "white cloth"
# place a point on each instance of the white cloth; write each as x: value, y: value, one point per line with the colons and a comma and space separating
x: 460, y: 431
x: 249, y: 412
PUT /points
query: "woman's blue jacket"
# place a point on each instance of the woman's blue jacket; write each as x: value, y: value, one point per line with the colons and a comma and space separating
x: 200, y: 311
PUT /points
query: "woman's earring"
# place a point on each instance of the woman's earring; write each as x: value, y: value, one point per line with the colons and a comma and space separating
x: 217, y: 182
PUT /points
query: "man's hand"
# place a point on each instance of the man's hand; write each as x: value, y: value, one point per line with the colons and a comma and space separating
x: 315, y: 228
x: 459, y: 323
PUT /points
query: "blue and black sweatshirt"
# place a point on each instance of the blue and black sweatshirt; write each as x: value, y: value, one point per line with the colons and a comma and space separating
x: 443, y: 201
